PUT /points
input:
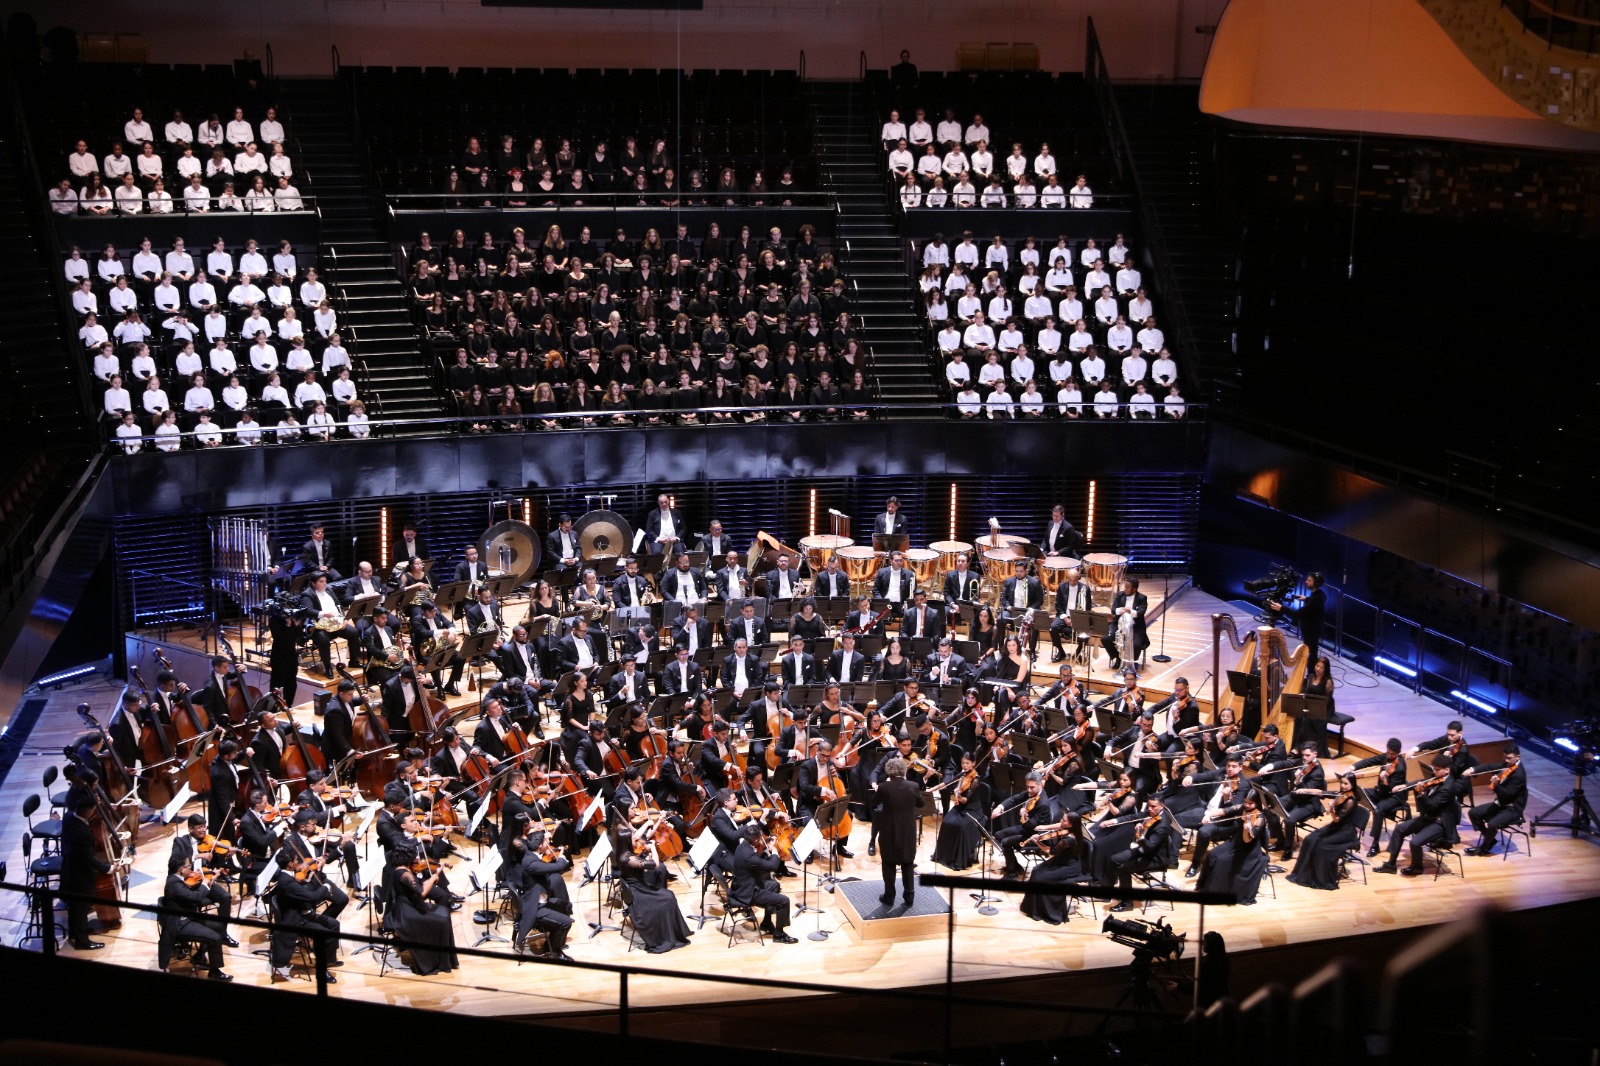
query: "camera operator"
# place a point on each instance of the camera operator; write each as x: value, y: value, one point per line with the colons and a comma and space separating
x: 1308, y: 608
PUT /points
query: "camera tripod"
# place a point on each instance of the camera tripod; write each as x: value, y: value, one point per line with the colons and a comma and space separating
x: 1583, y: 818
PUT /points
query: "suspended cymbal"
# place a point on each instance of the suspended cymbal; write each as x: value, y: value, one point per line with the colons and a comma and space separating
x: 522, y: 543
x: 603, y: 533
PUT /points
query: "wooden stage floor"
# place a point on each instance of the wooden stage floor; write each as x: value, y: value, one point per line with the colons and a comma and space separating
x: 986, y: 948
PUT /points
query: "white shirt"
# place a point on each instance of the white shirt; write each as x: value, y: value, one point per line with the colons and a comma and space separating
x: 1052, y: 196
x: 1173, y: 406
x: 1044, y: 164
x: 129, y: 435
x: 321, y: 425
x: 1134, y: 369
x: 187, y: 364
x: 1164, y: 370
x: 901, y: 160
x: 982, y: 162
x: 989, y: 373
x: 968, y: 402
x: 919, y: 133
x: 236, y: 397
x: 1142, y: 405
x: 275, y: 394
x: 1058, y: 278
x: 253, y: 327
x: 290, y: 328
x: 180, y: 263
x: 179, y: 133
x: 936, y: 253
x: 936, y: 197
x: 143, y: 367
x: 63, y: 203
x: 1010, y: 339
x: 1060, y: 370
x: 279, y: 295
x: 114, y: 166
x: 892, y: 131
x: 240, y: 131
x: 965, y: 194
x: 106, y: 363
x: 1016, y: 165
x: 783, y: 583
x: 264, y: 358
x: 1025, y: 193
x: 219, y: 264
x: 1119, y: 338
x: 949, y: 130
x: 976, y: 133
x: 1105, y: 403
x: 146, y: 263
x: 1021, y: 369
x: 129, y: 199
x: 999, y: 309
x: 82, y: 164
x: 1151, y: 339
x: 218, y: 165
x: 92, y: 336
x: 1105, y: 309
x: 999, y: 404
x: 166, y: 296
x: 288, y: 198
x: 334, y: 357
x: 312, y: 293
x: 167, y: 439
x: 955, y: 162
x: 1048, y: 341
x: 155, y: 401
x: 1081, y: 196
x: 202, y: 293
x: 1092, y: 369
x: 994, y: 196
x: 209, y: 134
x: 979, y: 335
x: 109, y: 269
x: 253, y: 264
x: 206, y: 433
x: 160, y: 202
x: 247, y: 432
x: 1070, y: 309
x: 911, y: 195
x: 198, y: 398
x: 131, y: 332
x: 958, y: 374
x: 1128, y: 279
x: 244, y: 294
x: 137, y: 131
x: 149, y: 166
x: 117, y: 401
x: 223, y: 361
x: 343, y: 391
x: 271, y: 131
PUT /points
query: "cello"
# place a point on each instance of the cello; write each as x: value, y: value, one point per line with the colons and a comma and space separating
x: 299, y: 758
x: 427, y: 713
x: 156, y: 784
x: 110, y: 842
x: 834, y: 784
x: 242, y: 696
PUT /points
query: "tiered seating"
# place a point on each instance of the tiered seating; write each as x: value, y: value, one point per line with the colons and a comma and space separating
x: 1047, y: 328
x: 420, y: 124
x: 1052, y: 118
x: 80, y: 132
x: 166, y: 335
x: 636, y: 328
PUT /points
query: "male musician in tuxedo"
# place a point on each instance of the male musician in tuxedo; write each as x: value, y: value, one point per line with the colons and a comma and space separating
x: 519, y: 657
x: 627, y: 794
x: 365, y: 583
x: 960, y: 585
x: 1020, y: 596
x: 540, y: 890
x: 256, y: 839
x: 683, y: 583
x: 296, y: 901
x: 1308, y: 609
x: 186, y: 850
x: 338, y: 722
x: 578, y: 650
x: 1129, y: 601
x: 921, y: 621
x: 299, y: 843
x: 783, y: 581
x: 519, y: 703
x: 891, y: 522
x: 769, y: 705
x: 747, y: 626
x: 733, y: 580
x: 1225, y: 787
x: 326, y: 810
x: 798, y: 666
x: 1060, y: 538
x: 1385, y: 800
x: 1454, y: 742
x: 629, y: 588
x: 681, y: 677
x: 864, y: 621
x: 753, y: 885
x: 638, y: 642
x: 943, y: 666
x: 208, y: 933
x: 382, y: 642
x: 490, y: 737
x: 741, y: 669
x: 831, y: 583
x: 664, y: 528
x: 894, y: 584
x: 715, y: 543
x: 628, y: 685
x: 1067, y: 691
x: 81, y: 864
x: 1304, y: 799
x: 561, y: 545
x: 1032, y: 809
x: 692, y: 631
x: 429, y: 624
x: 1183, y: 711
x: 847, y: 665
x: 226, y: 781
x: 894, y: 820
x: 1438, y: 806
x: 485, y: 609
x: 1140, y: 745
x: 1071, y: 595
x: 469, y: 568
x: 409, y: 545
x: 591, y: 760
x: 448, y: 763
x: 1149, y: 848
x: 676, y: 783
x: 214, y: 695
x: 328, y: 617
x: 716, y: 754
x: 316, y: 555
x: 1510, y: 783
x: 271, y: 741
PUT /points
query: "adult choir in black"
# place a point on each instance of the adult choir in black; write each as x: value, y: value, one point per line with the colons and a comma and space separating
x: 1100, y: 810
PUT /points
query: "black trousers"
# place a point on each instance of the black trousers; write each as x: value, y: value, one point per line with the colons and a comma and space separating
x: 1299, y: 812
x: 290, y: 927
x: 775, y: 904
x: 207, y: 934
x: 1385, y: 806
x: 1420, y: 831
x: 78, y: 918
x: 554, y: 924
x: 908, y: 877
x: 1130, y: 862
x: 1490, y: 818
x: 1204, y: 837
x: 1008, y: 839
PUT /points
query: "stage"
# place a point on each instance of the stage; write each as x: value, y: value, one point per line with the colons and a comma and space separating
x: 985, y: 950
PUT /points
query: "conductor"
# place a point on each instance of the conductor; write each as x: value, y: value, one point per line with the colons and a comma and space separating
x: 894, y: 815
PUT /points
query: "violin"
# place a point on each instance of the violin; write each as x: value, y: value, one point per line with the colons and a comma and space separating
x: 311, y: 868
x: 212, y: 848
x: 964, y: 786
x: 200, y: 877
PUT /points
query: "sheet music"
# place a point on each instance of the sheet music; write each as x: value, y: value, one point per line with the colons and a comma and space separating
x: 267, y: 874
x: 589, y: 812
x: 171, y: 809
x: 596, y: 859
x: 809, y: 840
x: 477, y: 820
x: 700, y: 853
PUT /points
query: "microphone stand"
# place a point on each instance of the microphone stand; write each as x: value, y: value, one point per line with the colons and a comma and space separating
x: 1162, y: 656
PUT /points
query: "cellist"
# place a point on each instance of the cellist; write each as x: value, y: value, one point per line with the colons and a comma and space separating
x: 820, y: 782
x: 449, y: 762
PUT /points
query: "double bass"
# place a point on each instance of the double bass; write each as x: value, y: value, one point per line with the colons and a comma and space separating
x: 299, y: 758
x: 242, y: 696
x: 370, y: 744
x: 115, y: 777
x: 192, y: 726
x: 157, y: 785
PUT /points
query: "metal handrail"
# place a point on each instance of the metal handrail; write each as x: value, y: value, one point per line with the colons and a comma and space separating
x: 402, y: 201
x: 178, y: 209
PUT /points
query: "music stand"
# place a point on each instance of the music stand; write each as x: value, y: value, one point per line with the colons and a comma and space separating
x: 500, y: 587
x: 1010, y: 778
x: 1033, y: 749
x: 447, y: 596
x: 828, y: 816
x: 362, y: 607
x: 1275, y: 808
x: 1312, y: 710
x: 1098, y: 626
x: 883, y: 543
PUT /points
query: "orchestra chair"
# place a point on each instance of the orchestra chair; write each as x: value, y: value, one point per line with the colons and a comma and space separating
x: 43, y: 873
x: 1078, y: 902
x: 1353, y: 852
x: 1442, y: 853
x: 1519, y: 828
x: 1156, y: 878
x: 58, y: 800
x: 47, y: 830
x: 304, y: 954
x: 1337, y: 719
x: 629, y: 933
x: 387, y: 929
x: 736, y: 914
x: 172, y: 946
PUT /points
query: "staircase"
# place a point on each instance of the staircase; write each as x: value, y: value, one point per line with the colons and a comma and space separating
x: 866, y: 246
x: 1170, y: 143
x: 43, y: 392
x: 394, y: 378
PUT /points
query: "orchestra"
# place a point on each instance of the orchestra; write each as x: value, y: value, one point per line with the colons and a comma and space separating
x: 662, y: 697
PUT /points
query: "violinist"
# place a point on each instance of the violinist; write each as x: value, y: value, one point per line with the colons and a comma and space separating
x: 1140, y: 745
x: 327, y: 810
x: 226, y: 781
x: 535, y: 876
x: 308, y: 843
x: 819, y: 781
x: 1307, y: 785
x: 420, y: 919
x: 403, y: 794
x: 727, y: 831
x: 740, y: 670
x: 1147, y: 851
x: 1385, y: 799
x: 490, y: 737
x: 966, y: 722
x: 1129, y: 699
x: 190, y: 892
x: 1063, y: 865
x: 186, y: 851
x: 1185, y: 800
x: 1237, y: 864
x: 1066, y: 691
x: 339, y: 721
x: 1268, y: 751
x: 1223, y: 802
x: 257, y: 839
x: 1063, y: 771
x: 1114, y: 820
x: 1320, y: 854
x: 754, y: 862
x: 653, y: 910
x: 1510, y: 782
x: 1226, y: 737
x: 1024, y: 814
x: 1184, y: 710
x: 1438, y: 800
x: 1453, y: 744
x: 961, y: 831
x: 298, y: 894
x: 935, y: 756
x: 627, y: 794
x: 1024, y: 718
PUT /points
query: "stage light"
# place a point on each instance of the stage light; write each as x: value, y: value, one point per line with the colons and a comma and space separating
x: 1088, y: 534
x: 952, y: 510
x: 1568, y: 743
x: 527, y: 510
x: 383, y: 540
x: 1399, y: 668
x: 1474, y: 701
x: 62, y: 677
x: 811, y: 515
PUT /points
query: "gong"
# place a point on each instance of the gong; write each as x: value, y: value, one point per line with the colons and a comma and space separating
x: 521, y: 543
x: 603, y: 534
